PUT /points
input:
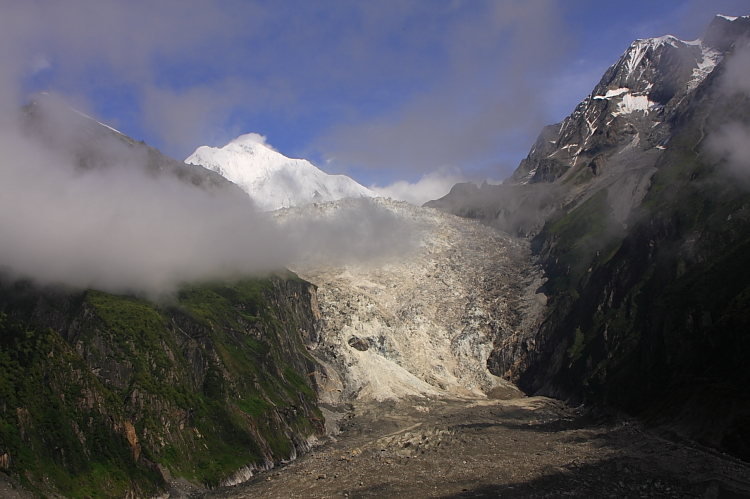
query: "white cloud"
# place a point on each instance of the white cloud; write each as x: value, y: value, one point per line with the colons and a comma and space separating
x: 732, y: 143
x: 39, y: 64
x: 737, y: 75
x: 431, y: 186
x: 252, y: 138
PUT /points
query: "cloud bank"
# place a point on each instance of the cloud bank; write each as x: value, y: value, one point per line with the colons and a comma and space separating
x: 348, y: 231
x: 119, y: 227
x: 83, y: 206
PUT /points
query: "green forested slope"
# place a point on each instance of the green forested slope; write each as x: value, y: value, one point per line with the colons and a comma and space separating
x: 99, y: 392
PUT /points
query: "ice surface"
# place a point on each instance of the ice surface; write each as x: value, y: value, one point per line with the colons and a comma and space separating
x: 612, y: 93
x: 632, y: 103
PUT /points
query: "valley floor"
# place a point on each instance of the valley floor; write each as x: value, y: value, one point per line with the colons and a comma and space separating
x: 530, y: 447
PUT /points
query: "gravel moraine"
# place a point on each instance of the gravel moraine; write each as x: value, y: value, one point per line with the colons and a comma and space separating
x: 527, y: 447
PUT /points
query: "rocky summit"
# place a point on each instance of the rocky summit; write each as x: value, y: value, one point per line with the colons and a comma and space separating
x: 613, y: 140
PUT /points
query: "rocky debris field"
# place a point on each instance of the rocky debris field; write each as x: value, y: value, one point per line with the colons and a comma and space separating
x: 520, y: 448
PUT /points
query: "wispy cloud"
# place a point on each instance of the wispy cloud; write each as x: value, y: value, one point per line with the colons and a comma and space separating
x: 736, y: 79
x: 433, y: 185
x: 495, y: 59
x: 731, y: 141
x: 418, y: 85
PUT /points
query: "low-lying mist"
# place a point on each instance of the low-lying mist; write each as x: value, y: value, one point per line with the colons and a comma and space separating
x: 348, y: 231
x: 731, y: 141
x: 124, y: 228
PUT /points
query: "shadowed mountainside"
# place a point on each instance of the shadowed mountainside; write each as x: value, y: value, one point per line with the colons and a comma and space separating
x: 643, y: 231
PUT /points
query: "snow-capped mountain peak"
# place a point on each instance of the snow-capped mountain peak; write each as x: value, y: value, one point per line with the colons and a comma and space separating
x: 632, y: 106
x: 271, y: 179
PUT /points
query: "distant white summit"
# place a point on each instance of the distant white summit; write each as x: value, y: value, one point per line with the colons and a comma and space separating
x: 271, y: 179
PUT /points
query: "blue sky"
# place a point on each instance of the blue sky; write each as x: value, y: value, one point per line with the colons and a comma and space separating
x: 380, y: 90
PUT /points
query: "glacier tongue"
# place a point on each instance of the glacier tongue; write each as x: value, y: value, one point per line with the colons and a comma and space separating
x: 271, y: 179
x: 423, y: 322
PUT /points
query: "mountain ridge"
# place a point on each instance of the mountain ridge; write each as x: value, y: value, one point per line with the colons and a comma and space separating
x: 612, y: 139
x: 133, y: 394
x: 90, y: 144
x: 641, y: 228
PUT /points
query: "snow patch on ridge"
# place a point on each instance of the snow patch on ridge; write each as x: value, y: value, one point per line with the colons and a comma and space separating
x: 639, y: 48
x: 616, y: 92
x: 635, y: 56
x: 92, y: 119
x: 527, y: 178
x: 710, y: 59
x: 632, y: 103
x: 628, y: 103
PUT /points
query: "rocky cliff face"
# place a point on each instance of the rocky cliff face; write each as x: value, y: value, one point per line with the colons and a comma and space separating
x: 651, y: 319
x: 106, y: 394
